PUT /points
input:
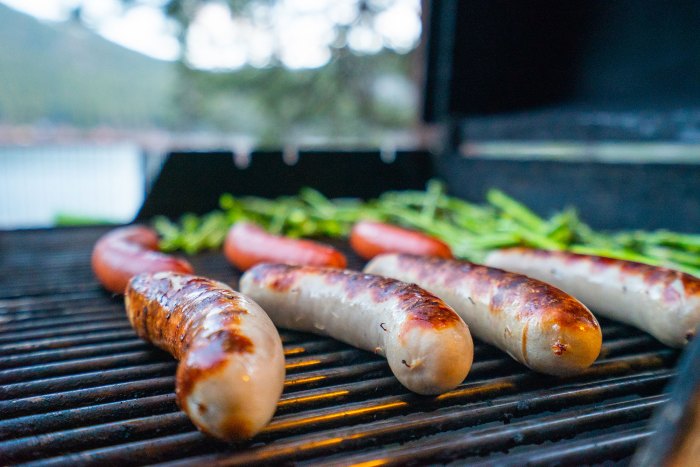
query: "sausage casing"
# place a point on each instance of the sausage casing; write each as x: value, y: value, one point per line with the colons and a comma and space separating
x: 247, y: 244
x: 663, y: 302
x: 231, y: 369
x: 427, y: 345
x: 126, y: 251
x: 370, y: 238
x: 535, y: 323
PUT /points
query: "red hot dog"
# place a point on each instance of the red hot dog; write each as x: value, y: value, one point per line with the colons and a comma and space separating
x: 663, y: 302
x: 369, y: 239
x: 247, y: 245
x: 124, y: 252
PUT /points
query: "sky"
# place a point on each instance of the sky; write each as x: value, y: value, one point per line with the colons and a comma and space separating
x: 299, y: 32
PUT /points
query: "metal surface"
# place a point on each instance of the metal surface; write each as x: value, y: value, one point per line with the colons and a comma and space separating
x: 78, y: 387
x: 677, y: 423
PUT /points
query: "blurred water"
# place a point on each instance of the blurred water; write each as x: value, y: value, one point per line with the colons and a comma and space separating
x: 39, y: 183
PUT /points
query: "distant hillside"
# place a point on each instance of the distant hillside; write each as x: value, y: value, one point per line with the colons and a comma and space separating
x: 64, y: 73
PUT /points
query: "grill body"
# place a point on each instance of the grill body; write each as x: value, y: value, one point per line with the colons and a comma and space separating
x: 78, y: 387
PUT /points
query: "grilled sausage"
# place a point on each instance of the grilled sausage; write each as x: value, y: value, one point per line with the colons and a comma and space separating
x: 663, y: 302
x: 369, y: 239
x: 427, y: 345
x: 231, y: 368
x: 126, y: 251
x: 247, y: 245
x: 535, y: 323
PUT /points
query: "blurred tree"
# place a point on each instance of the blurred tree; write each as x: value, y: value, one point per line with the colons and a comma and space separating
x: 277, y: 104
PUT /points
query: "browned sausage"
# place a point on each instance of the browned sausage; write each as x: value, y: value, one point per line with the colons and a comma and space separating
x: 231, y: 370
x: 663, y: 302
x: 427, y: 345
x: 535, y: 323
x: 124, y: 252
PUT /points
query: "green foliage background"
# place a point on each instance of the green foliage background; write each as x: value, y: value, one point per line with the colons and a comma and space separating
x: 64, y: 74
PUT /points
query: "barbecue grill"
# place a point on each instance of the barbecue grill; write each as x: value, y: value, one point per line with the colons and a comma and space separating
x: 78, y: 387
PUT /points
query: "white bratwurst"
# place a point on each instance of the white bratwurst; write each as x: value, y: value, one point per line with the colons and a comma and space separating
x: 427, y: 345
x: 231, y: 370
x: 535, y: 323
x: 663, y: 302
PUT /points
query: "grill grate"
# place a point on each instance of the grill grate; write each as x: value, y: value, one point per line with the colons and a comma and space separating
x: 77, y: 386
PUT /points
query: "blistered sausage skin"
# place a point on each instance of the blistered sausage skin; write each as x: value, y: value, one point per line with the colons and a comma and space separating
x: 663, y: 302
x: 126, y: 251
x: 427, y: 345
x: 231, y: 369
x: 535, y: 323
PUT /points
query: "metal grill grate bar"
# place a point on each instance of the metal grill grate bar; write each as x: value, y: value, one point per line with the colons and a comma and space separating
x: 84, y: 397
x: 84, y: 351
x: 63, y: 342
x: 85, y: 416
x: 597, y: 449
x: 94, y: 436
x: 446, y: 446
x: 52, y: 332
x: 58, y: 323
x: 422, y: 423
x: 95, y: 378
x: 41, y: 371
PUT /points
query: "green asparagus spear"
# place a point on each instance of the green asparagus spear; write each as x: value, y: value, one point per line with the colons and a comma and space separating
x: 470, y: 229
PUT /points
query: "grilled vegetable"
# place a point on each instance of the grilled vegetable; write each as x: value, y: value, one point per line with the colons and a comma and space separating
x: 470, y: 230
